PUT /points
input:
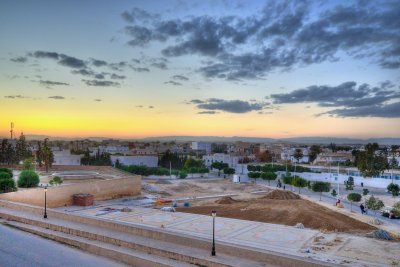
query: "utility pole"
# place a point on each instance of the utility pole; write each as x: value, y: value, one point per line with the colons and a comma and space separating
x: 11, y: 131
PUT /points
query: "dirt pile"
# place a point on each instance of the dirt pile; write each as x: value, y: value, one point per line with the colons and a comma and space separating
x: 281, y: 195
x: 226, y: 200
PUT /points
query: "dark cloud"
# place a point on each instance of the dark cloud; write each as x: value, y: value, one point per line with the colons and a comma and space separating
x: 101, y: 83
x: 231, y: 106
x: 51, y: 83
x: 160, y: 65
x: 119, y: 66
x: 207, y: 112
x: 282, y: 36
x: 98, y: 100
x: 117, y: 77
x: 382, y: 111
x: 173, y: 83
x: 350, y: 99
x: 15, y: 96
x: 98, y: 63
x: 44, y: 54
x: 139, y: 106
x: 57, y: 97
x: 180, y: 78
x: 71, y: 62
x: 19, y: 59
x: 151, y: 107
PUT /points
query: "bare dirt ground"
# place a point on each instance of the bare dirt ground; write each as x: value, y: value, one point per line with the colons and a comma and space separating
x: 277, y: 206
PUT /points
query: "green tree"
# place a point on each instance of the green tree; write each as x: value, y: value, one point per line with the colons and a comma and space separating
x: 254, y: 175
x: 28, y: 178
x: 370, y: 163
x: 334, y: 193
x: 22, y: 150
x: 299, y: 182
x: 47, y: 155
x: 182, y: 175
x: 219, y: 166
x: 375, y: 204
x: 365, y: 191
x: 269, y: 176
x: 393, y: 164
x: 229, y: 171
x: 298, y: 154
x: 353, y: 197
x: 169, y: 159
x: 321, y: 187
x: 287, y: 179
x: 56, y: 180
x: 314, y: 151
x: 193, y: 163
x: 28, y: 164
x: 393, y: 189
x: 350, y: 184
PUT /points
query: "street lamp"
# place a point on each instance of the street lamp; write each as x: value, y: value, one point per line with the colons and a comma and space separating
x: 45, y: 202
x: 213, y: 214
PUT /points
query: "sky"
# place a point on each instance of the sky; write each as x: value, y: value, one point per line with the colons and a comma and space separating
x: 133, y: 69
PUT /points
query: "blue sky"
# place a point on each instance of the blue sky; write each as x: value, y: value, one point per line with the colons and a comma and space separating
x: 254, y: 68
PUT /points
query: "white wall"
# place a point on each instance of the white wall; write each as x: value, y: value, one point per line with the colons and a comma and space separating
x: 148, y: 161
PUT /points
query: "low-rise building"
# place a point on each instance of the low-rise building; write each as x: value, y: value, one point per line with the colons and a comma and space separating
x: 64, y: 157
x: 201, y: 147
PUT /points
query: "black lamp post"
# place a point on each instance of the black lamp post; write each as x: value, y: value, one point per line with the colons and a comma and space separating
x: 213, y: 214
x: 45, y: 202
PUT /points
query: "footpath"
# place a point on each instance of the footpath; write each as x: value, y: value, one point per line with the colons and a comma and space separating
x: 149, y: 237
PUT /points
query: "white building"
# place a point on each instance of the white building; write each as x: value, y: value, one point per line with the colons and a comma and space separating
x: 64, y: 157
x: 202, y: 146
x: 148, y: 161
x: 232, y: 161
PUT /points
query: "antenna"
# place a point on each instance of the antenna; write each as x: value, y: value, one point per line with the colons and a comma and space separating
x: 11, y: 131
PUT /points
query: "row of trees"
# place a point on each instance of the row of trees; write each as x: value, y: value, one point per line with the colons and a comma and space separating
x: 13, y: 155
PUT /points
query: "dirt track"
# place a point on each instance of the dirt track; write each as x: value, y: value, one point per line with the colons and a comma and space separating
x: 282, y: 207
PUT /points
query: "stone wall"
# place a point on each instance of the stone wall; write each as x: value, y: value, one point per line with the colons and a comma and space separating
x: 63, y: 195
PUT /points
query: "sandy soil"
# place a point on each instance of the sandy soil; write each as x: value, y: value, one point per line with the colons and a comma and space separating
x: 281, y: 207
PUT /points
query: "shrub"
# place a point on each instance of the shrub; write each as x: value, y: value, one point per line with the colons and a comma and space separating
x: 9, y: 171
x: 182, y: 174
x: 28, y: 179
x: 365, y: 191
x: 56, y: 181
x: 353, y: 197
x: 5, y: 175
x: 7, y: 185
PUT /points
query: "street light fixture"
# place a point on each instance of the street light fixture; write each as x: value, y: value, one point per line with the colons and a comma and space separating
x: 45, y: 202
x: 213, y: 214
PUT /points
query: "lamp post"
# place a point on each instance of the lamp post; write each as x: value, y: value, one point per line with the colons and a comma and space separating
x: 214, y: 214
x: 45, y: 202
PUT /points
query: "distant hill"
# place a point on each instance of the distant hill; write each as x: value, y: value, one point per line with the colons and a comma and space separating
x: 299, y: 140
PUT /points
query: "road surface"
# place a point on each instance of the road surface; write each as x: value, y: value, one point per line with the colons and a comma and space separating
x: 18, y: 248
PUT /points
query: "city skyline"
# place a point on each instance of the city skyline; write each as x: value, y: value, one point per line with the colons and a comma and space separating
x: 203, y: 68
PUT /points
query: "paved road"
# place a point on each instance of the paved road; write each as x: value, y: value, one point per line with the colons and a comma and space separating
x: 22, y: 249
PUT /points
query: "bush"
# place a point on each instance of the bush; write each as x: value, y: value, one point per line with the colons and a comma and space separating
x: 28, y: 179
x: 9, y: 171
x: 5, y: 175
x: 56, y: 181
x: 182, y: 174
x: 7, y: 185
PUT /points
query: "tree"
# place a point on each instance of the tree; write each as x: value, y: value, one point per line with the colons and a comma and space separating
x: 375, y: 204
x: 321, y: 187
x: 229, y: 171
x: 182, y: 174
x: 350, y: 184
x: 254, y: 175
x: 56, y: 180
x: 393, y: 164
x: 264, y: 156
x: 314, y: 151
x: 299, y: 182
x: 334, y: 193
x: 298, y: 154
x: 269, y: 176
x: 365, y: 191
x: 47, y: 155
x: 393, y: 189
x: 22, y: 150
x: 370, y: 163
x: 219, y: 165
x: 172, y: 160
x: 28, y: 164
x: 287, y: 179
x: 353, y: 197
x: 28, y: 178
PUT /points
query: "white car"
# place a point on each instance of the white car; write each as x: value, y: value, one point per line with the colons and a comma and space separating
x: 169, y: 209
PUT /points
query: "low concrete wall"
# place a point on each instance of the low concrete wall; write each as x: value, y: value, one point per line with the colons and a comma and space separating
x: 62, y: 195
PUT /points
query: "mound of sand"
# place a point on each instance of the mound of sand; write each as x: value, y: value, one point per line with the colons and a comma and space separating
x: 281, y: 195
x: 226, y: 200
